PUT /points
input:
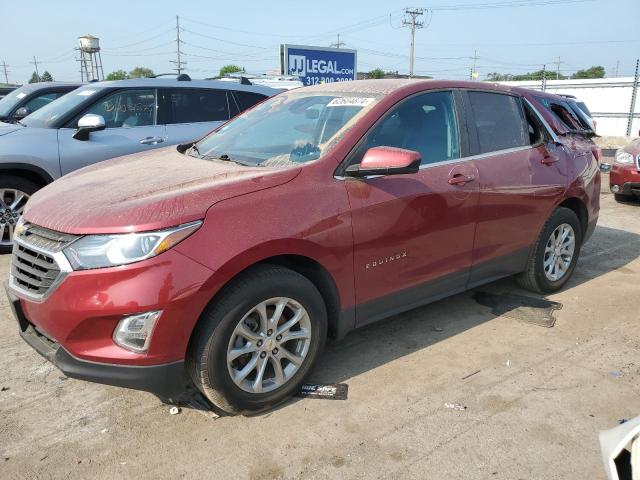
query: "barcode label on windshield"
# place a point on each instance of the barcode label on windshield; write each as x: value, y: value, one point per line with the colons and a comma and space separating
x: 350, y: 102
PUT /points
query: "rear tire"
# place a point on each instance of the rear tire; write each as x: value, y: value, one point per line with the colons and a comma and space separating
x: 12, y: 188
x: 549, y: 266
x: 236, y: 322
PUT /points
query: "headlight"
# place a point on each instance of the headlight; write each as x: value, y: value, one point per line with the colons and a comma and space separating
x: 623, y: 158
x: 98, y: 251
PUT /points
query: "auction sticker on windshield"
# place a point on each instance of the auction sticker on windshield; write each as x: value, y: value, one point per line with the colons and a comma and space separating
x: 350, y: 102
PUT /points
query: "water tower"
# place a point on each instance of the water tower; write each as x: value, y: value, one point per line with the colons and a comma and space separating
x: 90, y: 60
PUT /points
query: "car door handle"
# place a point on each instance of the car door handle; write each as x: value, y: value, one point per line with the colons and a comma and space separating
x: 151, y: 140
x: 460, y: 179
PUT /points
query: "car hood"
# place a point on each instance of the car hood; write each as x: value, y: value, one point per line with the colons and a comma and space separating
x: 8, y: 128
x: 148, y: 191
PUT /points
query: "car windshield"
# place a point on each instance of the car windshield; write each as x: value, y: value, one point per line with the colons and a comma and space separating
x: 47, y: 115
x: 288, y: 129
x: 8, y: 102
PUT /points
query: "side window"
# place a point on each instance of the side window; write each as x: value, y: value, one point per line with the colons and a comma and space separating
x: 247, y: 99
x: 126, y: 108
x: 499, y: 121
x: 564, y: 113
x: 425, y: 123
x: 190, y: 105
x: 535, y: 129
x: 41, y: 100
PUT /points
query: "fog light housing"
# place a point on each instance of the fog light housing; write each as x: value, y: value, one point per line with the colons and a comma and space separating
x: 133, y: 333
x: 615, y: 188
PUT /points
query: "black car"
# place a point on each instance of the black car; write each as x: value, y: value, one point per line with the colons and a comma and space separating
x: 19, y: 103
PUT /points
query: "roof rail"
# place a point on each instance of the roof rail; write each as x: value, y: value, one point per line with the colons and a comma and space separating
x: 183, y: 77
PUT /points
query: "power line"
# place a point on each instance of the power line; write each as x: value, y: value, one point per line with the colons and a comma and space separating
x: 414, y: 24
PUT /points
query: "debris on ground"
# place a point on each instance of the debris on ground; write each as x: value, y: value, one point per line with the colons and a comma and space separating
x: 616, y: 374
x: 438, y: 329
x: 470, y: 375
x: 4, y: 389
x: 622, y: 420
x: 104, y: 430
x: 455, y: 406
x: 174, y: 410
x: 508, y: 363
x: 328, y: 391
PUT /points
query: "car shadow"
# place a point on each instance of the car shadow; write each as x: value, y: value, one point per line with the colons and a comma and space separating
x: 377, y: 344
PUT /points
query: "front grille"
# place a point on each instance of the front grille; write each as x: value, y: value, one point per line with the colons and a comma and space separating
x: 34, y: 268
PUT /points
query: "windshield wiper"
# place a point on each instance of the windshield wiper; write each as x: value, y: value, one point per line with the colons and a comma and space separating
x: 226, y: 158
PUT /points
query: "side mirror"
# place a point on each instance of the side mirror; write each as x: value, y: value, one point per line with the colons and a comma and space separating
x: 21, y: 113
x: 386, y: 161
x: 87, y: 124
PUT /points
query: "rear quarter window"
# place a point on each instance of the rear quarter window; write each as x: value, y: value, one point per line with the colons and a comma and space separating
x: 562, y: 113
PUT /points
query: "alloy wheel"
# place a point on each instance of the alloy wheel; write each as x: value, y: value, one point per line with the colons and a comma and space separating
x: 269, y: 345
x: 558, y: 252
x: 12, y: 202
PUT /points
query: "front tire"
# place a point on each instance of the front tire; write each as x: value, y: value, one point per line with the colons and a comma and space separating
x: 555, y: 254
x: 14, y: 193
x: 258, y: 340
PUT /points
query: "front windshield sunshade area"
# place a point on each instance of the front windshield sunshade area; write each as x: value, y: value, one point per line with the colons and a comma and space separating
x: 291, y: 128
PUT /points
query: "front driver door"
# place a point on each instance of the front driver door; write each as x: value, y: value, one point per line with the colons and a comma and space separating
x: 413, y: 233
x: 131, y: 127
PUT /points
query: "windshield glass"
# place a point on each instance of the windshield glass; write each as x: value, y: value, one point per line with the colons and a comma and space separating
x: 288, y: 129
x: 12, y: 99
x: 47, y: 115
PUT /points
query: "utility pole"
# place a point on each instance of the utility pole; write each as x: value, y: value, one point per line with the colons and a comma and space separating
x: 634, y: 94
x: 178, y: 62
x: 557, y: 64
x: 474, y: 73
x: 6, y: 76
x: 413, y: 23
x: 35, y: 64
x: 338, y: 44
x: 617, y: 68
x: 544, y: 77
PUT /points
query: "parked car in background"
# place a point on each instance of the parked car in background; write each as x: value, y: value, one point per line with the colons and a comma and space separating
x: 6, y: 88
x: 624, y: 177
x: 104, y: 120
x: 226, y: 263
x: 30, y: 97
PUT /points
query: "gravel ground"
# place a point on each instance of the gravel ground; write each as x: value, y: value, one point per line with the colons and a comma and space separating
x: 534, y: 407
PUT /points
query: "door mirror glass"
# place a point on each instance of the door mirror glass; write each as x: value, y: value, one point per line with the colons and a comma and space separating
x: 21, y: 113
x: 87, y: 124
x: 386, y: 161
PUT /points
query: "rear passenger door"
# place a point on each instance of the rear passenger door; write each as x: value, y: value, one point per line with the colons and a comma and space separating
x: 191, y: 113
x: 521, y: 175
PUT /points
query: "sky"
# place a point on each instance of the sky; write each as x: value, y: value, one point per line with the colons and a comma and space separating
x: 508, y: 36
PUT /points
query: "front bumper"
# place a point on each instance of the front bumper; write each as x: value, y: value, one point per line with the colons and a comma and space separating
x: 167, y: 381
x: 626, y: 178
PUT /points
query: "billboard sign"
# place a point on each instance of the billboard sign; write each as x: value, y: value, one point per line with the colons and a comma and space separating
x: 314, y: 65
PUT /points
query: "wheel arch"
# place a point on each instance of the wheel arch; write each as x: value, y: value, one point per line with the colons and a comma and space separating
x: 32, y: 173
x: 580, y: 209
x: 303, y: 264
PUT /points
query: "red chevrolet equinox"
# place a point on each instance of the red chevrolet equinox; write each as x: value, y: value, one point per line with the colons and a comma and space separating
x: 224, y: 264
